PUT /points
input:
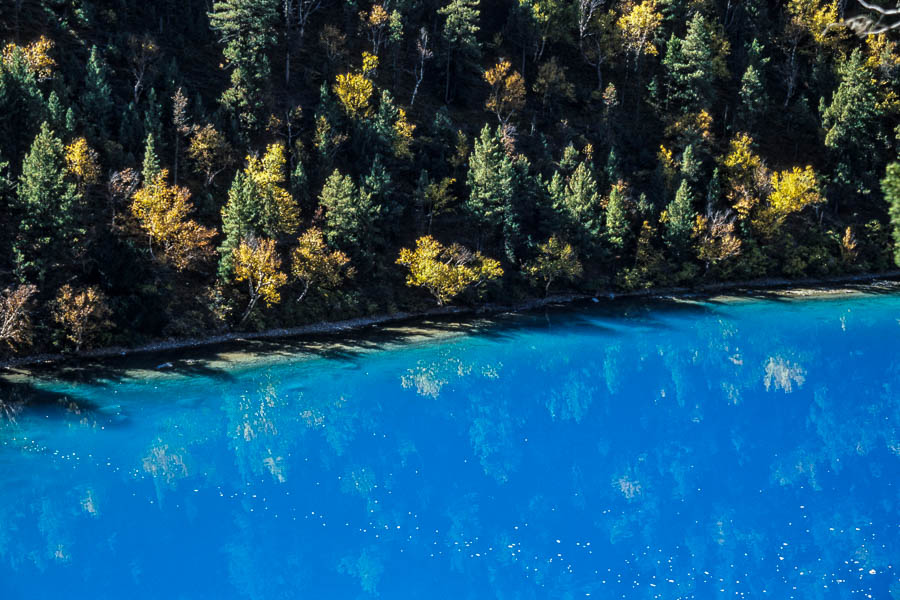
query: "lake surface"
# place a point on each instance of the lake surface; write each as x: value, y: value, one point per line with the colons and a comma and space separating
x: 745, y: 449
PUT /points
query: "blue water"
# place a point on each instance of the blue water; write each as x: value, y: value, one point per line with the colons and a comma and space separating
x: 645, y: 450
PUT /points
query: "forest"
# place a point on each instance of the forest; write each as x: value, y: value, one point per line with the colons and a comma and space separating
x: 180, y: 168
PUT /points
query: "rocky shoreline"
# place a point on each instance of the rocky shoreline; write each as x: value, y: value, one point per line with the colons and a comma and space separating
x: 862, y: 283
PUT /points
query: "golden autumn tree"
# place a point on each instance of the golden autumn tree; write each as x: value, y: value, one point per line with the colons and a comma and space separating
x: 555, y: 260
x: 210, y: 152
x: 792, y: 192
x: 82, y: 162
x: 507, y: 94
x: 746, y: 179
x: 314, y: 264
x: 280, y: 212
x: 444, y: 271
x: 637, y: 26
x: 163, y: 213
x: 716, y: 239
x: 36, y: 56
x: 354, y: 91
x: 256, y: 261
x: 82, y: 313
x: 15, y: 316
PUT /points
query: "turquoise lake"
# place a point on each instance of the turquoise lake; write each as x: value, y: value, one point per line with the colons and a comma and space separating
x: 709, y: 449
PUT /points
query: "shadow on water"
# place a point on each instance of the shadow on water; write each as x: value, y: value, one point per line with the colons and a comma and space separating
x: 18, y: 398
x: 610, y: 318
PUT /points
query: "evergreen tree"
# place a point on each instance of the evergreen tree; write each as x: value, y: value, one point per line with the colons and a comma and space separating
x: 618, y: 229
x: 247, y: 28
x: 491, y: 185
x: 240, y: 218
x: 351, y: 217
x: 890, y: 185
x: 97, y: 99
x: 22, y: 108
x: 582, y: 208
x: 754, y: 99
x: 46, y: 206
x: 680, y: 217
x: 854, y: 131
x: 460, y: 29
x: 691, y: 167
x: 689, y: 69
x: 151, y: 167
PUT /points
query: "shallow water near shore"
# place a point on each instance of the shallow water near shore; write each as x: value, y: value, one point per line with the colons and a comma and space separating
x: 690, y: 449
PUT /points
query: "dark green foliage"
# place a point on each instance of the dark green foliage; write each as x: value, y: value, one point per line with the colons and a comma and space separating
x: 891, y: 187
x: 240, y: 220
x: 680, y: 221
x: 351, y: 216
x: 46, y: 207
x: 689, y: 66
x: 617, y: 225
x: 247, y: 29
x: 619, y: 171
x: 22, y: 108
x: 97, y: 98
x: 854, y: 132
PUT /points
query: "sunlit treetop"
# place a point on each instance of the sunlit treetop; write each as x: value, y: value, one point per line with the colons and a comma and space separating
x: 354, y: 91
x: 637, y: 26
x: 36, y: 55
x: 82, y: 162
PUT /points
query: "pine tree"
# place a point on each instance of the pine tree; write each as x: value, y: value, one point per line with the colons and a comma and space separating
x: 689, y: 69
x: 151, y: 167
x: 247, y: 28
x: 97, y: 99
x: 460, y: 29
x: 240, y: 218
x: 618, y: 229
x: 890, y: 185
x: 491, y: 185
x: 46, y: 205
x: 754, y: 99
x: 582, y: 208
x: 680, y: 217
x: 21, y: 105
x: 855, y: 134
x: 351, y: 218
x: 691, y: 166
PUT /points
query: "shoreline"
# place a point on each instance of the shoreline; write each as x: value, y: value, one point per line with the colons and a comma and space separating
x: 785, y: 288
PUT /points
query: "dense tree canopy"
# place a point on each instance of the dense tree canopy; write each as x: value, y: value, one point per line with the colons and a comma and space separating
x: 171, y: 168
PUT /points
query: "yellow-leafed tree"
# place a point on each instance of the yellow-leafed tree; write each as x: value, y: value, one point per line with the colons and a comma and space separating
x: 82, y: 313
x: 446, y: 271
x: 716, y: 239
x: 36, y: 56
x: 163, y: 212
x: 210, y: 152
x: 637, y: 26
x: 314, y: 264
x: 555, y: 260
x: 792, y: 192
x: 507, y: 90
x: 280, y: 212
x: 15, y: 317
x: 256, y: 261
x: 82, y: 163
x: 355, y: 94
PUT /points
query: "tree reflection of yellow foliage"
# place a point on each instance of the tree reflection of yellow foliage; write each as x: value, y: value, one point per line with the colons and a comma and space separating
x: 163, y: 464
x: 89, y: 505
x: 782, y: 374
x: 429, y: 378
x: 629, y: 488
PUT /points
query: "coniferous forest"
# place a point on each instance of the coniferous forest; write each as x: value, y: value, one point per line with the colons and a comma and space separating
x: 180, y: 168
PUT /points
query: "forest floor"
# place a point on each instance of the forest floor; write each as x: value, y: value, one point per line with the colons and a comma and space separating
x: 409, y: 326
